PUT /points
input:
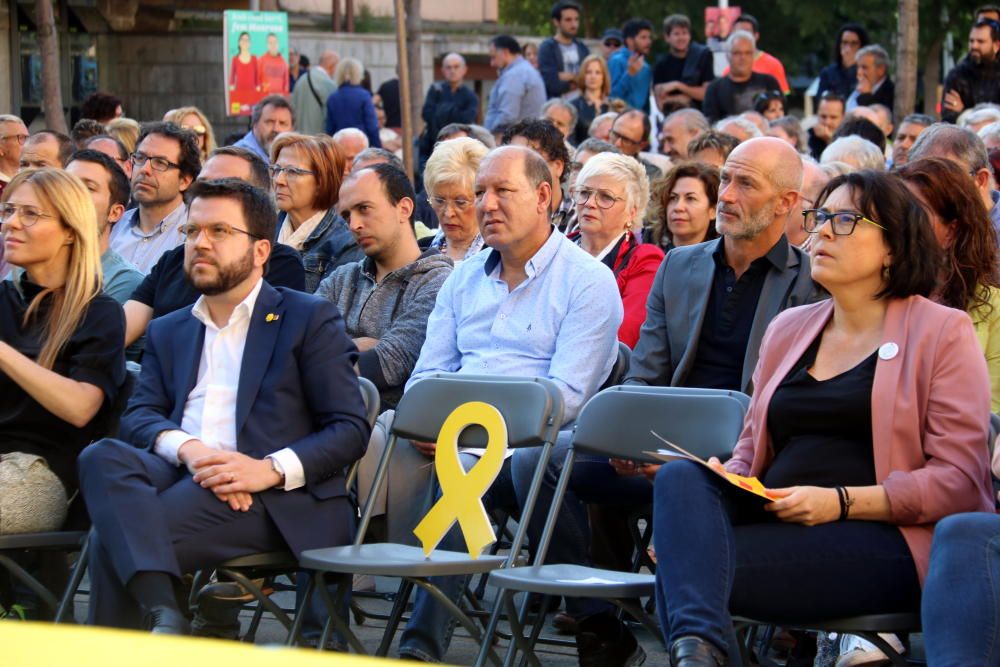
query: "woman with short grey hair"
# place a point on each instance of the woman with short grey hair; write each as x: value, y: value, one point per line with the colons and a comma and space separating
x: 449, y: 179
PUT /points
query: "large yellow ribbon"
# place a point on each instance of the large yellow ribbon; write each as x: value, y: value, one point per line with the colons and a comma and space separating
x: 462, y: 492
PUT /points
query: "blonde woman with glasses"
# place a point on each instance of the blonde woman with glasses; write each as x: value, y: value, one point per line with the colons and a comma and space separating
x: 62, y: 358
x: 449, y: 178
x: 193, y: 119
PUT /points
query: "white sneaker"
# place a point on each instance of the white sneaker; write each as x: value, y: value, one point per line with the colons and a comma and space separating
x: 857, y: 651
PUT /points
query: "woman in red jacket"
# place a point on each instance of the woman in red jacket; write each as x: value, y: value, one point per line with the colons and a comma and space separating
x: 611, y: 194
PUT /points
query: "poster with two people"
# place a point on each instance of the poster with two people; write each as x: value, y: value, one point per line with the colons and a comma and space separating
x: 256, y: 58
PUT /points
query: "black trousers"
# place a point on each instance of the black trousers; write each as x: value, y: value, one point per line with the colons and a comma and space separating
x: 149, y: 516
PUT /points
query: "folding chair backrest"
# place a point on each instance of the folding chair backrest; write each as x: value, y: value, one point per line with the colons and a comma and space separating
x: 617, y: 421
x: 372, y: 400
x: 531, y: 407
x: 620, y: 369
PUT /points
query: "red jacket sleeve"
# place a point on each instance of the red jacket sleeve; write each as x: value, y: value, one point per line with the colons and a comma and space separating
x: 634, y: 283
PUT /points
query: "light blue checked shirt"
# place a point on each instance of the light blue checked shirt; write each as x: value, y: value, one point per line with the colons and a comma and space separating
x: 561, y: 323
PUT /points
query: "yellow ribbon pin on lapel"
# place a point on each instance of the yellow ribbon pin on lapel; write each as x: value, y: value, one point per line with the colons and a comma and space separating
x: 462, y: 492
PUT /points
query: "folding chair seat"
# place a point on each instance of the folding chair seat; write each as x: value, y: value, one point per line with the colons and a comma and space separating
x: 616, y: 423
x: 532, y: 410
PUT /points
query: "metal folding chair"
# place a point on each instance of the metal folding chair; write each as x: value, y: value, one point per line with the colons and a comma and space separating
x: 616, y: 423
x: 532, y: 409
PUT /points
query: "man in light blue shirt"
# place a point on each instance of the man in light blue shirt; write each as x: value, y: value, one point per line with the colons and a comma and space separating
x: 631, y: 75
x: 166, y: 161
x: 533, y: 305
x: 271, y: 116
x: 519, y: 92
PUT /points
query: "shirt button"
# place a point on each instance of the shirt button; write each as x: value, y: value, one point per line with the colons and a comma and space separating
x: 729, y: 289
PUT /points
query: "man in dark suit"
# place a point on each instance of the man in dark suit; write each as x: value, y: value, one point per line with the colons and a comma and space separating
x: 874, y: 84
x: 244, y: 420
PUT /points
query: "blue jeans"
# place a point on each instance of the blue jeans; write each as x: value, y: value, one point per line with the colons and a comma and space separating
x: 961, y: 605
x: 428, y: 632
x: 719, y: 550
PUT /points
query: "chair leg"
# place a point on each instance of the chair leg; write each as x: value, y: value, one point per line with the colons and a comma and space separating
x: 296, y: 629
x: 251, y: 635
x: 25, y: 578
x: 262, y: 599
x: 66, y: 604
x: 459, y: 615
x: 518, y: 641
x: 634, y: 608
x: 334, y: 621
x: 491, y: 629
x: 398, y: 607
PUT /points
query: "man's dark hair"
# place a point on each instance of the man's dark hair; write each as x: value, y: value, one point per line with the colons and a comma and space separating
x: 830, y: 96
x: 919, y: 119
x: 506, y: 42
x: 395, y: 184
x: 646, y: 126
x: 122, y: 149
x: 676, y: 21
x: 563, y: 5
x: 864, y: 128
x: 84, y: 129
x: 380, y: 156
x: 453, y: 128
x: 258, y: 209
x: 633, y: 27
x: 858, y: 30
x: 543, y: 134
x: 99, y: 106
x: 277, y: 101
x: 713, y: 140
x: 66, y: 146
x: 190, y: 156
x: 885, y: 199
x: 260, y: 177
x: 992, y: 25
x: 118, y: 184
x: 751, y: 19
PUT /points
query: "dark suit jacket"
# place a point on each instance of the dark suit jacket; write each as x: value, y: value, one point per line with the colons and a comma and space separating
x: 550, y: 64
x: 297, y: 389
x: 675, y: 311
x: 885, y: 95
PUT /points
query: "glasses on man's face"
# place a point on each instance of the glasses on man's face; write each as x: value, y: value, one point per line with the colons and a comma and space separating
x: 841, y: 222
x: 441, y: 203
x: 289, y: 172
x: 28, y: 215
x: 615, y: 136
x: 156, y: 163
x: 602, y: 198
x: 19, y: 138
x: 217, y: 232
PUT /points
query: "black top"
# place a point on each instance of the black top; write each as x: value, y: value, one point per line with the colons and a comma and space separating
x: 585, y: 115
x: 822, y: 431
x: 669, y: 68
x: 167, y: 289
x: 94, y: 354
x: 724, y: 97
x: 389, y: 92
x: 816, y: 145
x: 729, y: 315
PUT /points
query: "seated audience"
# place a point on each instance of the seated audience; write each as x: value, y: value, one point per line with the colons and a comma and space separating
x: 856, y: 125
x: 874, y: 85
x: 84, y: 129
x: 373, y: 156
x: 770, y: 104
x: 601, y: 126
x: 734, y: 93
x: 829, y: 115
x: 968, y: 280
x: 581, y: 155
x: 545, y: 138
x: 594, y: 84
x: 678, y: 130
x: 306, y: 176
x: 740, y: 128
x: 182, y: 492
x: 385, y: 298
x: 841, y: 76
x: 787, y: 128
x: 114, y: 149
x: 448, y: 179
x: 563, y: 115
x: 856, y: 152
x: 351, y: 142
x: 712, y: 148
x: 683, y: 206
x: 611, y: 194
x: 271, y: 116
x: 906, y: 135
x: 62, y: 359
x: 46, y: 148
x: 195, y: 120
x: 630, y: 134
x: 125, y: 130
x: 861, y: 372
x: 167, y: 288
x: 814, y: 179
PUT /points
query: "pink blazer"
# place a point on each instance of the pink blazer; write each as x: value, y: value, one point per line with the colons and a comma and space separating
x: 930, y: 412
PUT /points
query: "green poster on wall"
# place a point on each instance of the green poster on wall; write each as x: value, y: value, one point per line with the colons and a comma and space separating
x: 256, y: 58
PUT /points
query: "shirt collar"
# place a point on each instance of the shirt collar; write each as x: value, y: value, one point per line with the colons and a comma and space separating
x: 777, y: 256
x: 541, y: 258
x: 242, y: 311
x: 168, y: 220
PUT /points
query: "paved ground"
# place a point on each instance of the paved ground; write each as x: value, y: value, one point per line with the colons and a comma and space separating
x: 463, y: 650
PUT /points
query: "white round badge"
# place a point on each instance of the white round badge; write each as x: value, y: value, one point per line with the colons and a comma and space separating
x: 888, y: 351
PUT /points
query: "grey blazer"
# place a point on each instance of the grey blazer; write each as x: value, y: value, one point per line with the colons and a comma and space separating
x: 675, y: 311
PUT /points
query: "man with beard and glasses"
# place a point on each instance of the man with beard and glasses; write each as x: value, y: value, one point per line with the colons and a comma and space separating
x: 165, y: 163
x: 244, y: 420
x: 976, y: 79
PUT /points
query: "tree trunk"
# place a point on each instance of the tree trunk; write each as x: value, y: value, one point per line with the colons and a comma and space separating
x: 906, y: 59
x: 414, y: 32
x: 403, y: 68
x: 932, y: 76
x: 48, y: 47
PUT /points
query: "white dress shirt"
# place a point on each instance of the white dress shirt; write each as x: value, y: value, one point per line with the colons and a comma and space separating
x: 210, y: 410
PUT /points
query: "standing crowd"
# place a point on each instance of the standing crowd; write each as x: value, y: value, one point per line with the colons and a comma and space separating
x: 605, y: 202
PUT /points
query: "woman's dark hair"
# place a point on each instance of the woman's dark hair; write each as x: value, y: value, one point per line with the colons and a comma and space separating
x: 916, y: 255
x: 541, y: 133
x: 971, y: 262
x: 762, y: 100
x: 660, y: 197
x: 99, y: 106
x: 858, y: 30
x: 864, y: 128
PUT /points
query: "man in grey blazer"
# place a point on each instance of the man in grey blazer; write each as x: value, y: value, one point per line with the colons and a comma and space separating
x: 711, y: 303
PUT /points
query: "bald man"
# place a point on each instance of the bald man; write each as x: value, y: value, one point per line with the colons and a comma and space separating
x: 310, y: 93
x: 350, y: 141
x: 447, y: 102
x: 710, y: 303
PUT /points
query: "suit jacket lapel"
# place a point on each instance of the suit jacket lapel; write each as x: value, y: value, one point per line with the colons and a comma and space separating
x: 886, y: 384
x: 702, y: 272
x: 265, y: 323
x: 771, y: 302
x: 189, y: 339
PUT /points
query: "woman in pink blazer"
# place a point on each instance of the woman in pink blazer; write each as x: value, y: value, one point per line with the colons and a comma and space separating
x: 868, y: 424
